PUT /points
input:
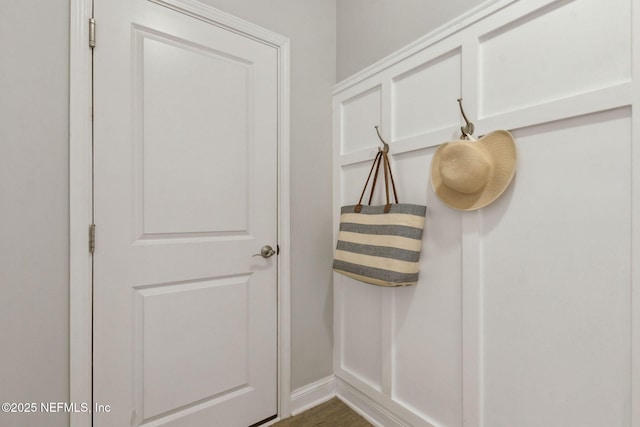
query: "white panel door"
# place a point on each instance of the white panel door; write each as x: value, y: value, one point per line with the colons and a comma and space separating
x: 185, y: 318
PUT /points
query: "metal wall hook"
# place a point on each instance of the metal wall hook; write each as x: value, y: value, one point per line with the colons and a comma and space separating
x: 467, y: 130
x: 386, y: 146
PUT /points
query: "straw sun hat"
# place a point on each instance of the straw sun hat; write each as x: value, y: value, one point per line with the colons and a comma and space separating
x: 469, y: 175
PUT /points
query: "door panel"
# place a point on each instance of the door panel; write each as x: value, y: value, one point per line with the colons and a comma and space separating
x: 205, y: 309
x: 195, y: 105
x: 185, y: 146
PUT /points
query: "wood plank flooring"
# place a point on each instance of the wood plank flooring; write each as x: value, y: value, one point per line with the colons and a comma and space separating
x: 333, y: 413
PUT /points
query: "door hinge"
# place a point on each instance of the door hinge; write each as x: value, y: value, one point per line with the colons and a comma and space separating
x: 92, y: 238
x: 92, y: 33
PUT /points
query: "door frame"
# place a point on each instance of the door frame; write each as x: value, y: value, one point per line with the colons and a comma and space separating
x: 81, y: 194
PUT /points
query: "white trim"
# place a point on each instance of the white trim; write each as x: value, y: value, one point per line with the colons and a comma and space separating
x: 337, y: 200
x: 609, y: 98
x: 313, y: 394
x: 458, y: 24
x: 211, y: 15
x: 372, y: 411
x: 284, y: 231
x: 387, y: 341
x: 635, y: 221
x: 80, y: 195
x: 472, y: 321
x: 471, y: 262
x: 80, y: 211
x: 371, y: 395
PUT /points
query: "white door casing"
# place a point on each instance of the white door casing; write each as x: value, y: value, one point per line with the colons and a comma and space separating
x: 157, y: 289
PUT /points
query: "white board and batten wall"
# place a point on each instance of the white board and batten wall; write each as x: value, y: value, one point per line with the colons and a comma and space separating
x: 527, y: 312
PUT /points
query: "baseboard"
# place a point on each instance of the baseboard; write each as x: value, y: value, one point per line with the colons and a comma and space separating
x: 313, y: 394
x: 372, y: 411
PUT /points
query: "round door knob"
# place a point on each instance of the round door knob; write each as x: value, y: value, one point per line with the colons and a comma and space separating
x: 266, y: 252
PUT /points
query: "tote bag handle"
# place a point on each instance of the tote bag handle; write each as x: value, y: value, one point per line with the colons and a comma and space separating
x: 381, y: 157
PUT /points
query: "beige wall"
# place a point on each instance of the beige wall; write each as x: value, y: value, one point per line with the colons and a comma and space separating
x: 34, y: 242
x: 367, y: 30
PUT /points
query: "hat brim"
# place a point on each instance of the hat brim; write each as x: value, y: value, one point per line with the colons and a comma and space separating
x: 500, y: 147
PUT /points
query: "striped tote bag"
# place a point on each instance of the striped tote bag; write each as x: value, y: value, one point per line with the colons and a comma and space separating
x: 380, y: 245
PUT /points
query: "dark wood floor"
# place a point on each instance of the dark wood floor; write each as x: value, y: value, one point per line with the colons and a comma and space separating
x: 333, y: 413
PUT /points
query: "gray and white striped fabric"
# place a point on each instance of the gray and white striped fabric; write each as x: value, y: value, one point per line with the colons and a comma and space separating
x: 380, y: 248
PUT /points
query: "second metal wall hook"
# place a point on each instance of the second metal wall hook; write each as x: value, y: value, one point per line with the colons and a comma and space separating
x: 384, y: 143
x: 468, y: 128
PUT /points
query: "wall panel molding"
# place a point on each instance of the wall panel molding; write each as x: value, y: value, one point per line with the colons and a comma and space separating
x: 380, y: 412
x: 491, y: 280
x: 441, y: 34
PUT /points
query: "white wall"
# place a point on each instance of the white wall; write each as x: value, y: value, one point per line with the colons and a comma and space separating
x: 526, y: 313
x: 370, y: 30
x: 34, y: 232
x: 34, y: 252
x: 310, y: 25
